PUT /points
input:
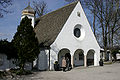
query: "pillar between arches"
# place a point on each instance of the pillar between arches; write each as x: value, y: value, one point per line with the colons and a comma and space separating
x: 85, y: 60
x: 72, y: 63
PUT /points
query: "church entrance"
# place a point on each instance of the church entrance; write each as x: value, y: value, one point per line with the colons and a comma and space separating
x: 78, y: 58
x: 67, y: 55
x: 90, y: 57
x: 64, y: 53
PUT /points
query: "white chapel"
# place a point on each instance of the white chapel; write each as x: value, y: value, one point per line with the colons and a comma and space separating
x: 65, y: 32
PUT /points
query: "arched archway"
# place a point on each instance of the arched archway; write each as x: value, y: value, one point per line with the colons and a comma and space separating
x: 90, y: 57
x: 78, y: 58
x: 63, y: 53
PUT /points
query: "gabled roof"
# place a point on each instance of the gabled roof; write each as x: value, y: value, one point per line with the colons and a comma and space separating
x: 50, y: 25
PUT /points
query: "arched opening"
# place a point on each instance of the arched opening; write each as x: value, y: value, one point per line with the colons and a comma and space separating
x: 78, y: 58
x: 64, y: 53
x: 79, y: 32
x: 90, y: 57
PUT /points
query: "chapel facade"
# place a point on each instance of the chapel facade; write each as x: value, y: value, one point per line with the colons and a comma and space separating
x: 65, y: 32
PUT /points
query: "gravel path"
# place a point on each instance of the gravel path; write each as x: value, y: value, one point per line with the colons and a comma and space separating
x: 107, y: 72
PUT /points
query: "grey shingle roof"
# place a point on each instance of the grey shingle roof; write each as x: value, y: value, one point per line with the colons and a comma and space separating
x: 50, y: 25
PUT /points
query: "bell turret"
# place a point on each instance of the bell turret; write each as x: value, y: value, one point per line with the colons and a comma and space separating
x: 30, y: 13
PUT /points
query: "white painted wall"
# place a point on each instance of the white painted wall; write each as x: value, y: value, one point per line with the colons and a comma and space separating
x: 66, y: 38
x: 118, y: 56
x: 53, y: 58
x: 43, y: 60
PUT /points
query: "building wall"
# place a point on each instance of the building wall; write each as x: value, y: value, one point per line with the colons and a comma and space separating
x: 8, y: 64
x: 66, y: 38
x: 118, y: 56
x: 4, y: 63
x: 43, y: 60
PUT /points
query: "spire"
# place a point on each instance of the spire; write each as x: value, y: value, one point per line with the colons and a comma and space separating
x: 28, y: 9
x: 28, y: 2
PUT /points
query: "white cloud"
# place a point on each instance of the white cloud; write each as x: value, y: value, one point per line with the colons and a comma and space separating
x: 4, y: 34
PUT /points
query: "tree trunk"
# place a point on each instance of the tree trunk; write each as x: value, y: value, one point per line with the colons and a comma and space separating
x: 94, y: 25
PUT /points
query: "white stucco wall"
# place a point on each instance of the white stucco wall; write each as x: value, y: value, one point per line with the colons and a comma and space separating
x: 66, y: 38
x: 43, y: 60
x: 118, y: 56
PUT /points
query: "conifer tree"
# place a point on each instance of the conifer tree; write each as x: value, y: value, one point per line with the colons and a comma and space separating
x: 25, y: 42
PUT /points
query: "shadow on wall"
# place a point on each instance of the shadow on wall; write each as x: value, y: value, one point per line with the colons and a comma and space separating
x: 53, y: 56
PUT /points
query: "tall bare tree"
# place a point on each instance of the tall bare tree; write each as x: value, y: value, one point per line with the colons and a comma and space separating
x: 40, y: 7
x: 115, y: 26
x: 3, y: 5
x: 107, y: 16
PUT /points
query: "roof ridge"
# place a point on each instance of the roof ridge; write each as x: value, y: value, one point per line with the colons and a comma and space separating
x: 59, y: 8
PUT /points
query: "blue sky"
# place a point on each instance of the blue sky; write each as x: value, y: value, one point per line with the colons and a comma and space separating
x: 9, y: 23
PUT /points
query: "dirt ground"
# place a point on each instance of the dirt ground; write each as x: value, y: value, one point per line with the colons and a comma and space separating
x: 107, y: 72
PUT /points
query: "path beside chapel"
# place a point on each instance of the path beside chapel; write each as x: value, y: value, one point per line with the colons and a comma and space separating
x: 107, y: 72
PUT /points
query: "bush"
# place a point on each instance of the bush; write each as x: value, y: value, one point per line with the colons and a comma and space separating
x: 23, y: 72
x: 2, y: 74
x: 13, y: 70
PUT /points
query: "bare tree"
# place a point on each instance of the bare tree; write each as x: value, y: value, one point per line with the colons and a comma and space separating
x: 3, y: 5
x: 40, y: 7
x: 107, y: 16
x: 115, y: 26
x: 117, y: 38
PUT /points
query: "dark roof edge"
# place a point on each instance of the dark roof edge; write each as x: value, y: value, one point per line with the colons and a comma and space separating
x: 37, y: 19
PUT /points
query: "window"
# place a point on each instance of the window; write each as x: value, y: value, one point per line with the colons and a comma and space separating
x: 78, y: 14
x: 77, y: 32
x: 81, y: 56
